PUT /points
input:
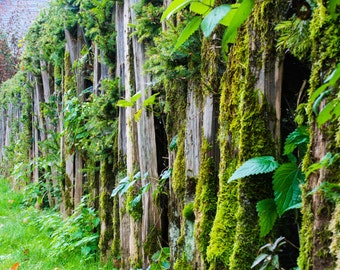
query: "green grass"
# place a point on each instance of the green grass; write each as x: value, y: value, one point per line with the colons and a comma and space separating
x: 25, y: 241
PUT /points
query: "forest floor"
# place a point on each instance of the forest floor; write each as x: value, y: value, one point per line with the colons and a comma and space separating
x: 23, y: 244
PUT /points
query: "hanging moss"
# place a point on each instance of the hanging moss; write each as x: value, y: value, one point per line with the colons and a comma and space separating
x: 206, y: 199
x: 178, y: 180
x: 188, y: 212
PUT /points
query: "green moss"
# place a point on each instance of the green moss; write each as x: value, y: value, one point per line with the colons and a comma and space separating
x: 188, y: 211
x: 206, y: 199
x: 334, y: 227
x: 244, y: 133
x: 182, y: 264
x: 152, y: 242
x: 178, y: 182
x: 106, y: 206
x: 324, y: 33
x: 135, y: 211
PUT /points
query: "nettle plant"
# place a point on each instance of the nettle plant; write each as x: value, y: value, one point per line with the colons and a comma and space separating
x: 208, y: 16
x: 287, y: 178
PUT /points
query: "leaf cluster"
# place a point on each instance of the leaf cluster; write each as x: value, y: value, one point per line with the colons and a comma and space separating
x: 76, y: 234
x: 331, y: 111
x: 287, y: 179
x: 160, y: 259
x: 209, y: 16
x: 91, y: 126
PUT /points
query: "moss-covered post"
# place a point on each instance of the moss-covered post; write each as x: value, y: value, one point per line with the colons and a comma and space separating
x: 207, y: 184
x: 320, y: 232
x: 245, y: 132
x: 67, y: 159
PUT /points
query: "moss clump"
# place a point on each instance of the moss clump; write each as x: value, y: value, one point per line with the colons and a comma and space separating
x: 182, y: 264
x: 206, y: 199
x: 152, y: 242
x: 188, y: 212
x: 178, y: 182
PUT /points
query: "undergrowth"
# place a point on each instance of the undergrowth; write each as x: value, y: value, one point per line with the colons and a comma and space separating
x: 43, y: 239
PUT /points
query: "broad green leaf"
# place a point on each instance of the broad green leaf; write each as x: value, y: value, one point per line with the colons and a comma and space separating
x: 138, y: 114
x: 259, y: 259
x: 241, y: 15
x: 124, y: 103
x: 255, y: 166
x: 133, y: 203
x: 155, y: 257
x: 190, y: 28
x: 213, y: 18
x: 334, y: 76
x: 267, y: 213
x: 317, y: 102
x: 286, y: 184
x: 174, y: 7
x: 299, y: 138
x: 275, y: 261
x: 201, y: 7
x: 328, y: 112
x: 229, y: 17
x: 166, y: 265
x: 318, y: 92
x: 135, y: 97
x: 333, y: 7
x: 173, y: 143
x: 150, y: 100
x: 126, y: 187
x: 166, y: 174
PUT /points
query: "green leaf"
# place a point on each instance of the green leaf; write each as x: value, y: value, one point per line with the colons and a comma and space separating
x: 286, y: 184
x: 317, y: 102
x: 138, y: 114
x: 240, y: 16
x: 259, y: 259
x: 323, y: 163
x: 229, y: 17
x: 333, y: 8
x: 135, y: 97
x: 166, y: 265
x: 166, y: 174
x: 123, y: 186
x: 173, y: 143
x: 267, y: 213
x: 201, y: 7
x: 299, y: 138
x: 329, y: 112
x: 124, y: 103
x: 150, y: 100
x: 334, y: 76
x: 213, y: 18
x: 174, y: 7
x: 190, y: 28
x: 318, y: 92
x: 253, y: 166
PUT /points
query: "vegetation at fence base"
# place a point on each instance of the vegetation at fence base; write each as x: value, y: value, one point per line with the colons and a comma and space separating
x: 43, y: 239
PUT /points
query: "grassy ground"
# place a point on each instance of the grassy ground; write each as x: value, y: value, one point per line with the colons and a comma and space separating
x: 23, y: 242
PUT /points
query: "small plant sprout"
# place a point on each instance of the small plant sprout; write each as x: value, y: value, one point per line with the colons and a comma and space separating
x: 269, y: 256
